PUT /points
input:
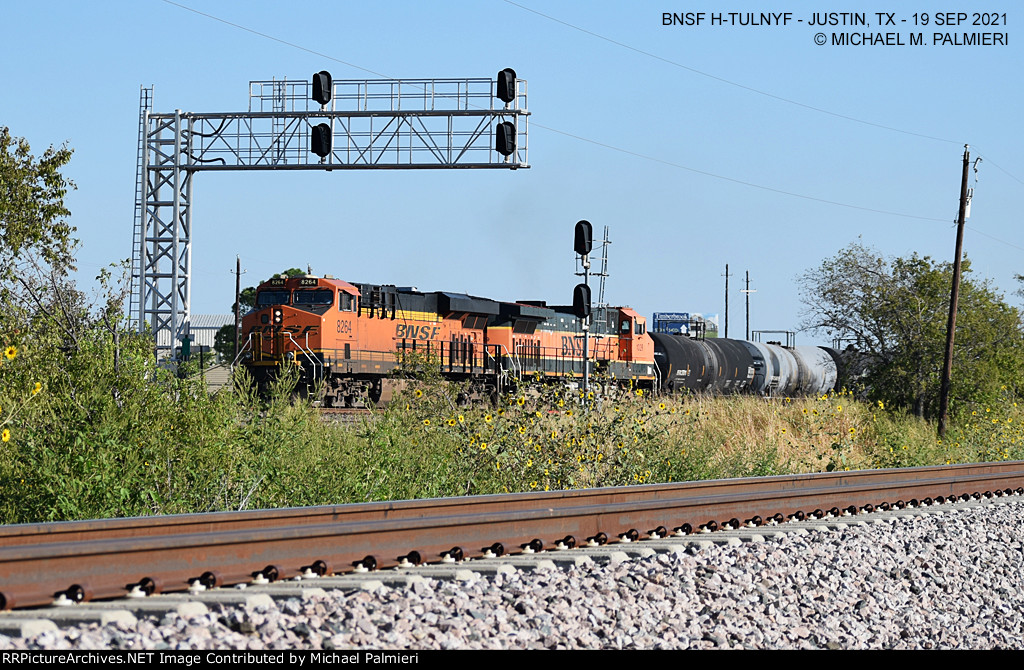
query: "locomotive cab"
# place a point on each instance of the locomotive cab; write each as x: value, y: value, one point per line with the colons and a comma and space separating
x: 289, y: 321
x: 634, y: 342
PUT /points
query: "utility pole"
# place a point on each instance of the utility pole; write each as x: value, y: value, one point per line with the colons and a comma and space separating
x: 748, y: 291
x: 238, y: 298
x: 727, y: 300
x: 954, y: 296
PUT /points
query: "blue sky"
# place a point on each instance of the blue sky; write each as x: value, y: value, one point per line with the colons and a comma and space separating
x: 607, y: 72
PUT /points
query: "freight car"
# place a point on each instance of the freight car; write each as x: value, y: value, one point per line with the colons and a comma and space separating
x: 350, y: 338
x: 737, y: 366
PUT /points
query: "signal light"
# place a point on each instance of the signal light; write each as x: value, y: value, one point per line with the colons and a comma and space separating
x: 505, y: 138
x: 278, y: 316
x: 506, y: 85
x: 322, y: 87
x: 584, y: 237
x: 581, y: 301
x: 320, y: 140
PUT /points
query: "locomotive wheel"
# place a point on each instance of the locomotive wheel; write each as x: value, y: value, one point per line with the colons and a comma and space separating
x: 375, y: 392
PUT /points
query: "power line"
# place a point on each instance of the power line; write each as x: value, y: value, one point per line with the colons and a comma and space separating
x: 745, y: 87
x: 619, y: 149
x: 996, y: 166
x: 275, y: 39
x: 992, y: 237
x: 727, y: 81
x: 534, y: 124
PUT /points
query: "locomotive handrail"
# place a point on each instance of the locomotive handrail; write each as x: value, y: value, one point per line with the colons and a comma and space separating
x: 513, y: 360
x: 513, y: 357
x: 248, y: 343
x: 308, y: 353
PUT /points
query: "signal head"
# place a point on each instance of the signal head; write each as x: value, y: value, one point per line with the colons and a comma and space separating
x: 505, y: 138
x: 581, y: 301
x: 320, y: 140
x: 584, y: 237
x: 322, y: 84
x: 506, y: 89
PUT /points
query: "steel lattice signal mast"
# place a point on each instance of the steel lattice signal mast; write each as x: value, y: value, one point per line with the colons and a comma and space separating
x: 384, y: 124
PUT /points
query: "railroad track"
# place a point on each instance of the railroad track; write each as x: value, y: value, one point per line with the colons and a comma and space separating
x: 346, y: 415
x: 80, y: 561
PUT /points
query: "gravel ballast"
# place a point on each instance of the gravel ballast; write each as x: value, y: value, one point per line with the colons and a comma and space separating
x: 950, y: 580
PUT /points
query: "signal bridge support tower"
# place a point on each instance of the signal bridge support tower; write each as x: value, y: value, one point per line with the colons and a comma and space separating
x: 387, y: 124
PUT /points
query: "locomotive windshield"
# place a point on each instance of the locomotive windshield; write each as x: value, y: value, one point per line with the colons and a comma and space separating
x: 265, y: 298
x: 322, y: 296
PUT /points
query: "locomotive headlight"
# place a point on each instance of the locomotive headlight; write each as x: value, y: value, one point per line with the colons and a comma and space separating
x: 278, y: 316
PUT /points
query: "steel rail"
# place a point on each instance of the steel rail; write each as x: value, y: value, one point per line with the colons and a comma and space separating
x: 107, y: 558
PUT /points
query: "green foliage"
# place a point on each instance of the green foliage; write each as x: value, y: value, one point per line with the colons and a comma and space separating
x: 896, y: 313
x: 551, y: 437
x: 224, y: 342
x: 32, y: 211
x: 91, y: 426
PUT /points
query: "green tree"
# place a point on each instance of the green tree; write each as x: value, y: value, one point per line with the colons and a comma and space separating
x: 36, y: 246
x: 895, y: 312
x: 35, y: 237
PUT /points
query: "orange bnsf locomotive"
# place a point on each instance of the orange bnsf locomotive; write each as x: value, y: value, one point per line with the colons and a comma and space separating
x: 352, y: 337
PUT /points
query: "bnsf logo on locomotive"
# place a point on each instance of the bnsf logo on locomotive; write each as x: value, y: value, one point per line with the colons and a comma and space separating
x: 572, y: 345
x: 416, y: 332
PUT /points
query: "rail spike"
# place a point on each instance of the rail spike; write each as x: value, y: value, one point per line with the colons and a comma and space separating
x: 568, y: 542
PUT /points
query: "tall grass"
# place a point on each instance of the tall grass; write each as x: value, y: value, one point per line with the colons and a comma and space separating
x: 140, y: 441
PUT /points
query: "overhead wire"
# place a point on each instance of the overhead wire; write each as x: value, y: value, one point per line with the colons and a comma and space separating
x: 733, y: 180
x: 723, y: 80
x: 634, y: 153
x: 773, y: 96
x: 744, y: 86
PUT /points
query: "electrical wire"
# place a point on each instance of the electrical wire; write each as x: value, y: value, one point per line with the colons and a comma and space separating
x: 728, y: 81
x: 745, y: 87
x: 627, y: 151
x: 771, y: 189
x: 274, y: 39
